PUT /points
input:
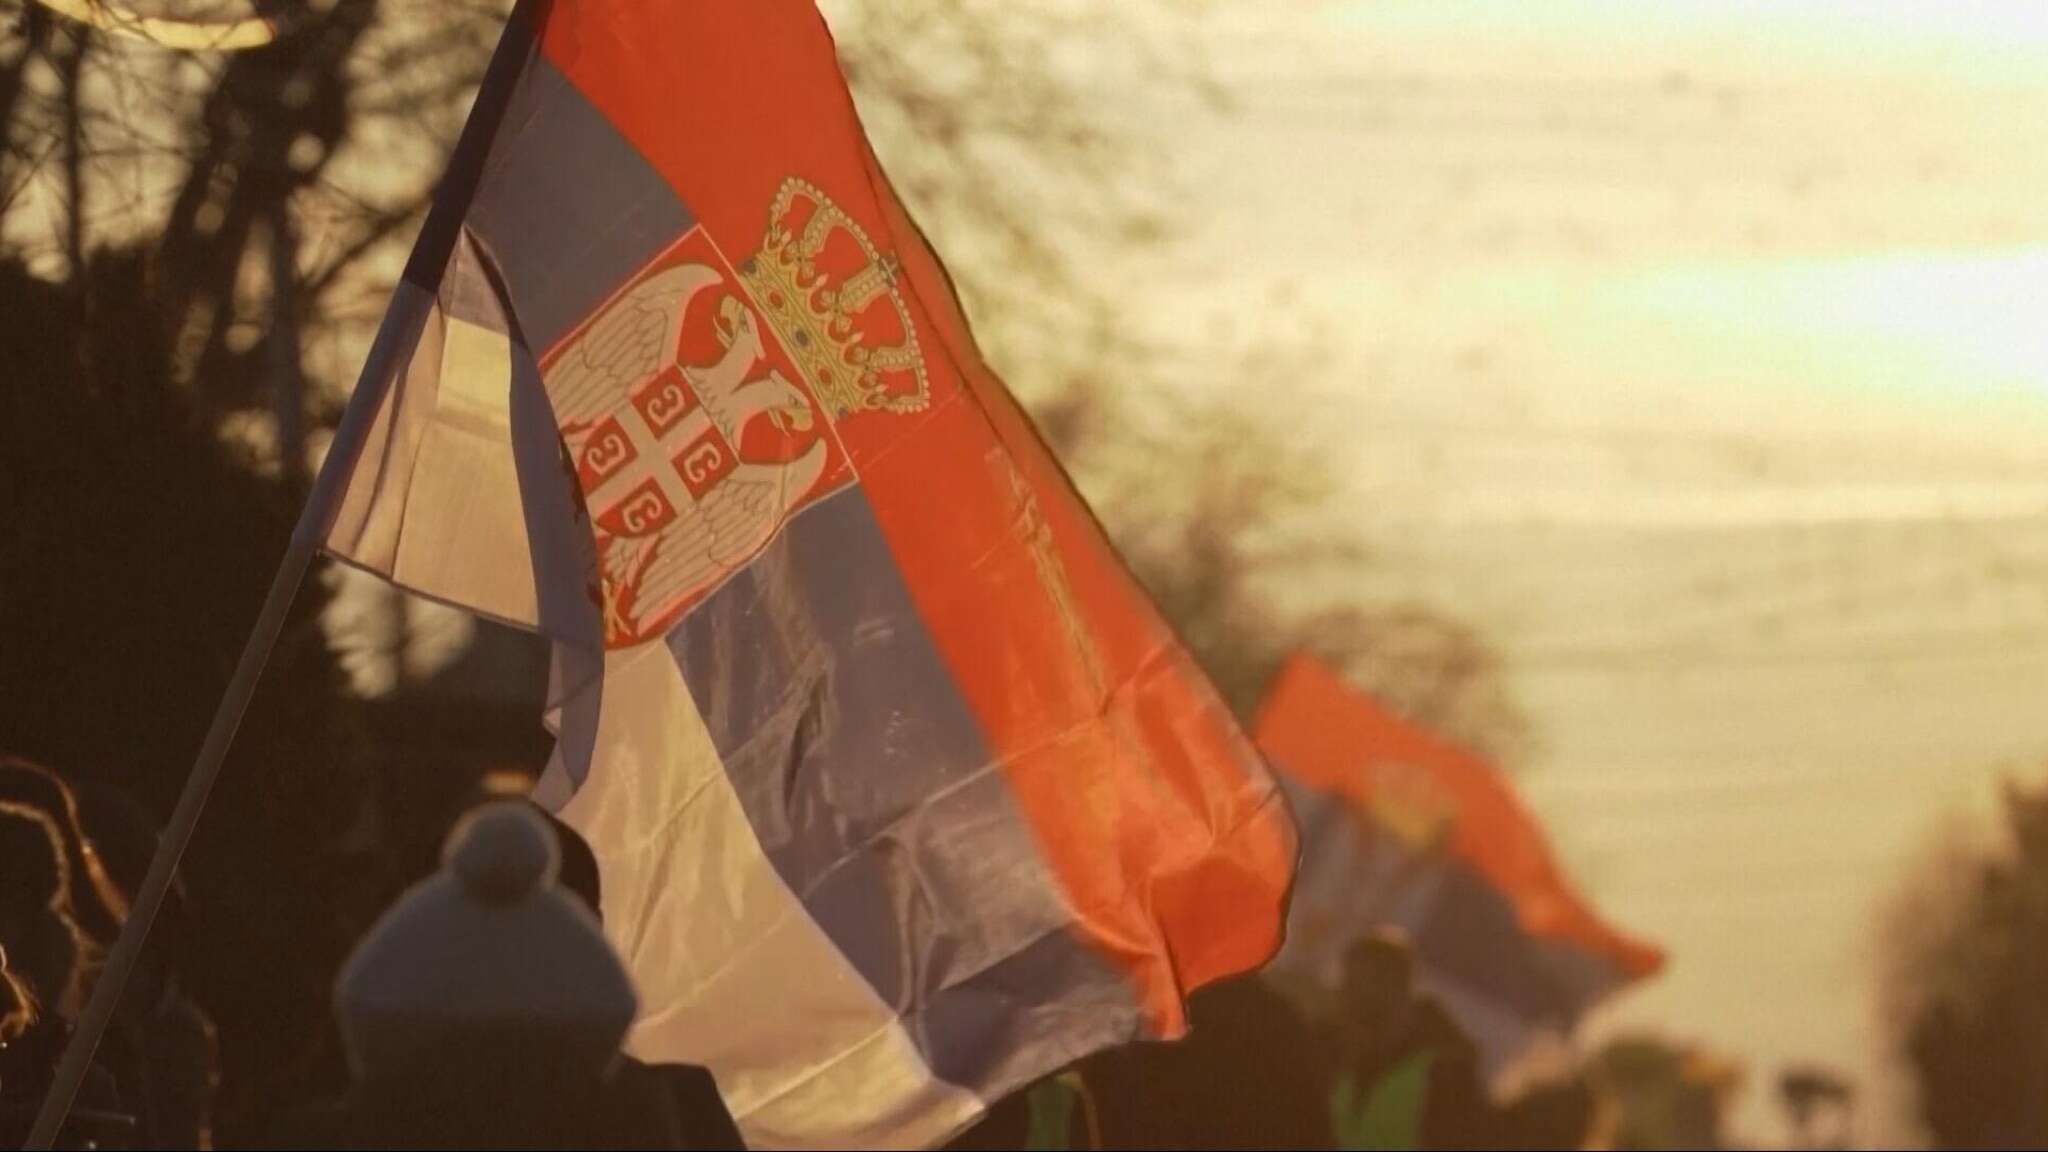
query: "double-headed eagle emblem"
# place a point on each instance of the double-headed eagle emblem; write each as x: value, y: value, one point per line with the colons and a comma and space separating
x: 698, y: 405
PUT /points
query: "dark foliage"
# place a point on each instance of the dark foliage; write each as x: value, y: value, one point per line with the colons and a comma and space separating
x: 137, y: 546
x: 1965, y: 991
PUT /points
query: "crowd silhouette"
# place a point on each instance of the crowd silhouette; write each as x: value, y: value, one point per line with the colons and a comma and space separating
x: 485, y: 1009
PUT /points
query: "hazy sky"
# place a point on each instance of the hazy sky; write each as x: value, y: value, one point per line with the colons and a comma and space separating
x: 1856, y: 31
x: 1693, y: 350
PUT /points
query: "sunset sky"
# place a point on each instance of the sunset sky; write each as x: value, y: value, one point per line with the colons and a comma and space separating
x: 1694, y: 352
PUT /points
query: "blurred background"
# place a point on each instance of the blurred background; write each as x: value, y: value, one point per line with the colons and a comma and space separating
x: 1651, y: 398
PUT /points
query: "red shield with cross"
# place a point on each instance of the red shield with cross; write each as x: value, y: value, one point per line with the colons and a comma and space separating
x: 692, y: 433
x: 696, y: 405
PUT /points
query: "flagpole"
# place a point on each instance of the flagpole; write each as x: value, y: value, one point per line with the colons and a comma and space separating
x: 395, y: 338
x: 177, y: 833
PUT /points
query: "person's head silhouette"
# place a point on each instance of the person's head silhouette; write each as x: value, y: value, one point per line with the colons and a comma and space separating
x: 485, y: 1008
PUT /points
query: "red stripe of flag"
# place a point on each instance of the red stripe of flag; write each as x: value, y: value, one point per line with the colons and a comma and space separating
x: 1148, y: 803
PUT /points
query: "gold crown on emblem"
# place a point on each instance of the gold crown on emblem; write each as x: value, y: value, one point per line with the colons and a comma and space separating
x: 832, y: 296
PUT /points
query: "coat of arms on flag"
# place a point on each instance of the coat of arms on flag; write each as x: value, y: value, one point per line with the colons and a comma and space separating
x: 697, y: 404
x: 902, y: 794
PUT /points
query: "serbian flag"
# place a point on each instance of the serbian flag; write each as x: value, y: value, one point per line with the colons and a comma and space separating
x: 902, y: 794
x: 1402, y: 829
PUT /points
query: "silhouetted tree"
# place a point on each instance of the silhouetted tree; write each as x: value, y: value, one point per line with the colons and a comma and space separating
x: 1235, y: 519
x: 1963, y: 987
x: 136, y: 546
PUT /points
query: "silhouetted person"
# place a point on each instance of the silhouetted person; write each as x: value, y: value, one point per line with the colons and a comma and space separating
x: 1560, y: 1114
x: 98, y: 904
x: 41, y: 956
x: 1245, y: 1076
x: 1386, y: 1026
x: 160, y: 1047
x: 485, y: 1010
